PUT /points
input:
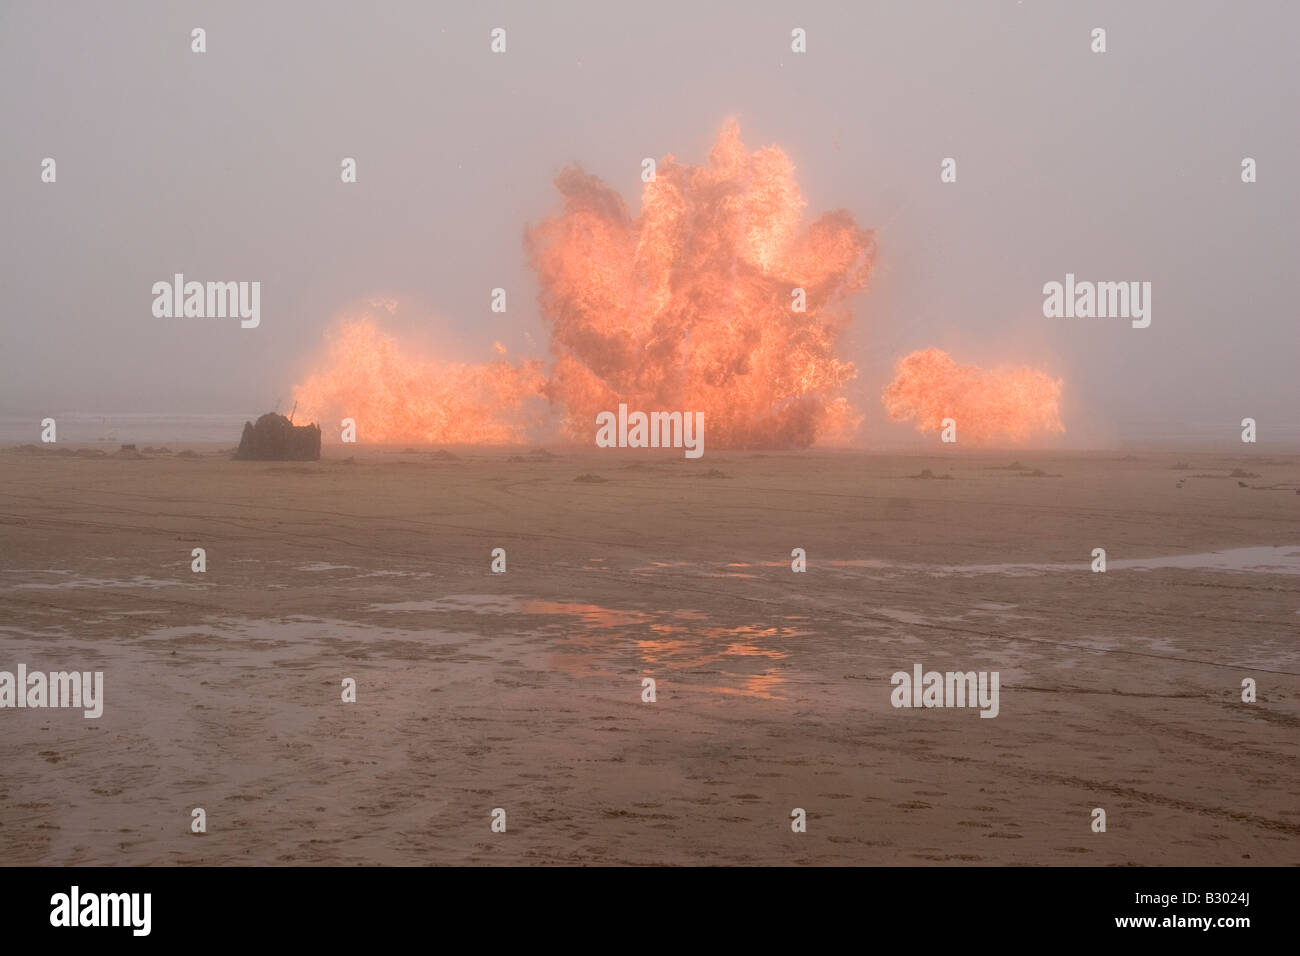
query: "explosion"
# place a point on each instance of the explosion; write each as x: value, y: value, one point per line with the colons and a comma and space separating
x: 1002, y: 404
x: 717, y: 298
x: 368, y: 376
x: 691, y: 305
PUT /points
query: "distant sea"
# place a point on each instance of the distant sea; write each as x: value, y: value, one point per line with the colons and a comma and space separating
x: 157, y: 428
x: 141, y: 428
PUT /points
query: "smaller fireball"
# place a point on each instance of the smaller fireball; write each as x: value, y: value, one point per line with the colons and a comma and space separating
x: 396, y: 395
x: 1008, y: 403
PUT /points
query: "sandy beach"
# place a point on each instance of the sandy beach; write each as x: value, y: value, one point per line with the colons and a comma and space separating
x: 523, y: 690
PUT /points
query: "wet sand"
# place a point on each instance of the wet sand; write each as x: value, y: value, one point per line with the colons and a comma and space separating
x: 523, y: 690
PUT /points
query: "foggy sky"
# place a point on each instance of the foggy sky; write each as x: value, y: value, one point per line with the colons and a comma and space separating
x: 225, y: 166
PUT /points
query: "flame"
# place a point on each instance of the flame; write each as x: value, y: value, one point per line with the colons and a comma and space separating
x: 1002, y: 404
x: 368, y: 376
x: 690, y: 307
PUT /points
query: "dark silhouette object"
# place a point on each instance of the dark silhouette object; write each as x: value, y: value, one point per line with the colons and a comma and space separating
x: 276, y: 438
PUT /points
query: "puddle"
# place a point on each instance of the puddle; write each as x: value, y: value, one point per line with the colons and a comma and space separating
x: 74, y: 584
x: 1263, y: 560
x: 589, y: 636
x: 1259, y: 560
x: 298, y: 634
x: 474, y: 603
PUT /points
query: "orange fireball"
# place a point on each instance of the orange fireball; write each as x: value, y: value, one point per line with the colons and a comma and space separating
x: 395, y: 396
x: 695, y: 303
x: 716, y: 298
x: 1002, y: 404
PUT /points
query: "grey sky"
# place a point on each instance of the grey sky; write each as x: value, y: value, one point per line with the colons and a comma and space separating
x: 225, y: 166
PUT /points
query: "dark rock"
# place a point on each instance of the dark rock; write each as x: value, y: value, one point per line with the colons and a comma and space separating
x: 275, y: 438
